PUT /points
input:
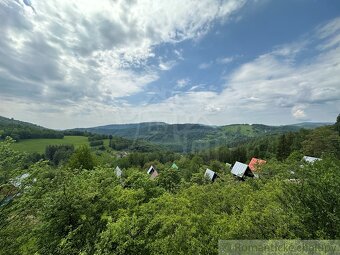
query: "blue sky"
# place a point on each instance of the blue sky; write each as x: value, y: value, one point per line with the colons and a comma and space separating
x: 78, y: 63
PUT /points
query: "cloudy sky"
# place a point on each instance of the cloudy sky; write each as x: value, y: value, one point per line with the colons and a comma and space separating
x: 81, y: 63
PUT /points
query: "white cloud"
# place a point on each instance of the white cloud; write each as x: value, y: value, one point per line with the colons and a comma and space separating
x: 225, y: 61
x: 194, y: 87
x: 102, y: 47
x: 213, y: 108
x: 205, y: 65
x: 298, y: 112
x: 165, y: 66
x: 179, y: 54
x: 272, y: 88
x: 330, y: 29
x: 290, y: 50
x: 183, y: 83
x: 77, y: 58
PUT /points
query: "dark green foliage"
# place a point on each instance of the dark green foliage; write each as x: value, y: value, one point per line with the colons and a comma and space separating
x: 225, y: 154
x: 82, y: 159
x: 119, y: 143
x: 110, y: 142
x: 169, y: 179
x: 337, y: 124
x: 282, y: 148
x: 96, y: 143
x: 76, y: 133
x: 57, y: 154
x: 11, y: 162
x: 317, y: 199
x: 321, y: 141
x: 93, y: 137
x: 140, y: 159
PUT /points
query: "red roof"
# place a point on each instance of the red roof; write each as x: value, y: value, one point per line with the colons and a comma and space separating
x: 255, y: 163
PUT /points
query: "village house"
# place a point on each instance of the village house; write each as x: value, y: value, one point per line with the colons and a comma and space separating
x: 241, y: 170
x: 211, y: 175
x: 118, y: 172
x: 310, y: 160
x: 255, y: 164
x: 174, y: 166
x: 152, y: 172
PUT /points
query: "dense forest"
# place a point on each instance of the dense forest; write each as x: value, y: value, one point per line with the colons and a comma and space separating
x: 73, y: 201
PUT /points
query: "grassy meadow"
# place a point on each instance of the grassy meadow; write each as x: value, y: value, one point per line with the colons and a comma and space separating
x: 39, y: 145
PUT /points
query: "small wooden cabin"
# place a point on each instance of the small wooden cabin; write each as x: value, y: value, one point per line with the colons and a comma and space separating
x: 118, y: 172
x: 152, y: 172
x: 241, y: 170
x: 210, y: 174
x: 255, y: 164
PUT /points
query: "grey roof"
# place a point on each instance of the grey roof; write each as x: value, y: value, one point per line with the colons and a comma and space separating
x: 118, y: 172
x: 309, y: 159
x: 209, y: 174
x: 239, y: 169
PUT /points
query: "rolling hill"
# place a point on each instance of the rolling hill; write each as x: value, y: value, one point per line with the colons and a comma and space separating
x: 175, y: 137
x: 194, y: 137
x: 23, y: 130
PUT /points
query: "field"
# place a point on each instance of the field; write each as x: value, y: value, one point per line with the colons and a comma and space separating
x: 39, y: 145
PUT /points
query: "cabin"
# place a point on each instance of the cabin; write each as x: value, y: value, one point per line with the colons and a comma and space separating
x: 241, y: 170
x: 118, y: 172
x: 152, y: 172
x: 210, y: 174
x: 174, y: 166
x: 255, y: 164
x: 16, y: 182
x: 310, y: 160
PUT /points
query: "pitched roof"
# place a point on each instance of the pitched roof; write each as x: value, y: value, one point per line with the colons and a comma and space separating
x: 310, y: 159
x: 174, y: 166
x: 118, y: 172
x: 151, y: 170
x: 239, y: 169
x: 211, y: 175
x: 153, y: 175
x: 254, y: 163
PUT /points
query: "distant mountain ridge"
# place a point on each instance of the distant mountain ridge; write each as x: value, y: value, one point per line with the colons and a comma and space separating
x: 312, y: 124
x: 188, y: 137
x: 177, y: 137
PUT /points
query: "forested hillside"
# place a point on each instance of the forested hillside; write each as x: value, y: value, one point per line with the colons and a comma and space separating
x: 19, y: 130
x: 194, y: 137
x: 84, y: 205
x: 175, y: 137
